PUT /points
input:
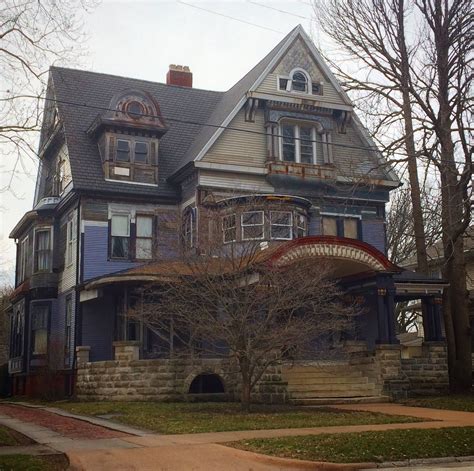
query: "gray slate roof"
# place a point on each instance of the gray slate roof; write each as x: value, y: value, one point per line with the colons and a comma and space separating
x: 78, y: 86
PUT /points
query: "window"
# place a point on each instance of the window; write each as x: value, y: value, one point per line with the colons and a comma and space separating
x: 188, y: 228
x: 282, y: 83
x: 39, y: 329
x: 281, y: 225
x: 120, y: 233
x: 289, y: 143
x: 23, y: 259
x: 341, y: 226
x: 141, y: 152
x: 17, y: 328
x: 68, y: 332
x: 42, y: 250
x: 71, y: 230
x: 135, y: 109
x: 252, y: 225
x: 298, y: 143
x: 123, y: 150
x: 229, y: 228
x: 144, y: 239
x: 300, y: 226
x: 299, y: 82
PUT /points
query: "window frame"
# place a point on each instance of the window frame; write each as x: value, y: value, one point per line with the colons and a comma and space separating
x: 151, y: 237
x: 132, y: 143
x: 243, y: 226
x: 290, y: 225
x: 340, y: 218
x: 111, y: 238
x: 147, y: 145
x: 225, y: 228
x: 310, y: 84
x: 68, y: 313
x: 298, y: 227
x: 48, y: 251
x: 23, y: 258
x: 71, y: 239
x: 128, y: 141
x: 297, y: 142
x: 45, y: 327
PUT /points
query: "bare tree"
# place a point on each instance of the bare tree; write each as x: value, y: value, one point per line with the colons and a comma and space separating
x: 234, y: 300
x: 33, y: 36
x: 418, y: 80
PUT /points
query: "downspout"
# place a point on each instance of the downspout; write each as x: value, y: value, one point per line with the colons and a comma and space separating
x: 77, y: 304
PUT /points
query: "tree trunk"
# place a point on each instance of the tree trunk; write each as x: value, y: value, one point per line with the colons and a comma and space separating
x: 246, y: 384
x: 415, y: 193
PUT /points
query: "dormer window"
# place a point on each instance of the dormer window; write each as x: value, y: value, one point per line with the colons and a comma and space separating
x: 141, y: 152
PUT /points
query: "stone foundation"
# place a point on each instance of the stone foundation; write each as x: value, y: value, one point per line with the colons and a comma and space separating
x: 126, y: 378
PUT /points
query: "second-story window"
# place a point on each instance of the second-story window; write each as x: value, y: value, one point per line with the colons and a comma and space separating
x: 120, y: 236
x: 298, y: 143
x: 341, y: 226
x: 43, y: 250
x: 39, y: 328
x: 281, y: 225
x: 144, y: 238
x: 252, y: 225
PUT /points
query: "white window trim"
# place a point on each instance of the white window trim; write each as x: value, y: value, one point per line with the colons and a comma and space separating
x: 298, y: 142
x: 290, y: 225
x: 289, y: 85
x: 43, y: 229
x: 71, y: 243
x: 227, y: 228
x: 242, y: 225
x: 137, y: 237
x: 23, y: 258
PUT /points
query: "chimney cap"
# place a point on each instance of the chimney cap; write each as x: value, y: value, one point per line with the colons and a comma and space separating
x: 181, y: 68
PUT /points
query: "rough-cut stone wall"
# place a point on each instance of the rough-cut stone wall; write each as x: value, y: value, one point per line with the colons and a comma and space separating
x: 427, y: 374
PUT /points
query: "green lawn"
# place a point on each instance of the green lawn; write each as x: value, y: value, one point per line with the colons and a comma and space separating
x: 33, y: 463
x: 218, y: 417
x: 390, y: 445
x: 463, y: 402
x: 7, y: 438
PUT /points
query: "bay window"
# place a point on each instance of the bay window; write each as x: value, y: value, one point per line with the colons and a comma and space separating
x: 252, y: 225
x: 43, y: 250
x: 281, y: 225
x: 144, y: 238
x: 39, y: 328
x: 120, y: 236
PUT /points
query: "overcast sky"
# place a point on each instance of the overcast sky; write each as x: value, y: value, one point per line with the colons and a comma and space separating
x: 141, y: 38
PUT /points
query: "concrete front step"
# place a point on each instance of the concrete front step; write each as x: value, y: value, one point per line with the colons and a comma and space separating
x: 331, y: 387
x: 303, y: 379
x: 322, y: 401
x: 318, y: 394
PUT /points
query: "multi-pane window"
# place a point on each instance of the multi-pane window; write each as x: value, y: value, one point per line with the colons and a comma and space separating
x: 298, y: 143
x: 289, y: 143
x: 144, y: 238
x: 299, y: 82
x: 141, y: 152
x: 123, y: 150
x: 39, y: 328
x: 68, y: 332
x: 341, y: 226
x: 120, y: 235
x: 229, y: 228
x: 252, y: 225
x: 23, y: 259
x: 300, y: 225
x: 71, y: 236
x: 43, y: 250
x: 281, y: 223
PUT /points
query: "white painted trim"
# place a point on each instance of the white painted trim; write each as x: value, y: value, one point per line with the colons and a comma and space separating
x: 232, y: 168
x: 372, y: 181
x: 344, y: 215
x: 131, y: 183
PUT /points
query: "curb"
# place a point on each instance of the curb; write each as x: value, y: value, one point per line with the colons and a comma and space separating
x: 92, y: 420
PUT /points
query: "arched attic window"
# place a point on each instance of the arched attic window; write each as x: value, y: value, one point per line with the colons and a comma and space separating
x: 299, y: 82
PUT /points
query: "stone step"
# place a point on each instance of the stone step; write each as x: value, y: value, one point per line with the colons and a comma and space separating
x: 331, y: 387
x: 314, y: 373
x: 323, y: 378
x: 347, y: 393
x: 322, y: 401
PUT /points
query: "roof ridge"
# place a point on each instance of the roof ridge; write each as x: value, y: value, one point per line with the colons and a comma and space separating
x: 133, y: 78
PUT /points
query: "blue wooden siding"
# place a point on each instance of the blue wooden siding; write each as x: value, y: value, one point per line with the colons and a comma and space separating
x: 373, y: 232
x: 98, y: 328
x: 95, y: 261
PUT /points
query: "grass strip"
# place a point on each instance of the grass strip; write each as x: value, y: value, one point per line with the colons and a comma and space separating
x: 365, y: 447
x: 461, y: 402
x: 178, y: 418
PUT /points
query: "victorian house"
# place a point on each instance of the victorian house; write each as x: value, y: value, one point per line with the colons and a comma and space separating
x: 124, y: 163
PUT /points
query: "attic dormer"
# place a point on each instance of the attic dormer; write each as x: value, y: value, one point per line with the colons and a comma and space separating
x: 128, y: 135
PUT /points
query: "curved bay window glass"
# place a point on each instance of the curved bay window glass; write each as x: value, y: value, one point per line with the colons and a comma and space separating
x: 252, y: 225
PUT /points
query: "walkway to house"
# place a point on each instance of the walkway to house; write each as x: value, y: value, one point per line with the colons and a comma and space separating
x: 97, y: 444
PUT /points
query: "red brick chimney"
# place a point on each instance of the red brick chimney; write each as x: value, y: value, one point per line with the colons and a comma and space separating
x: 179, y: 75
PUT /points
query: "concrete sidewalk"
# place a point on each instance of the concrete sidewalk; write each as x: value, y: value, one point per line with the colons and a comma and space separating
x: 115, y: 450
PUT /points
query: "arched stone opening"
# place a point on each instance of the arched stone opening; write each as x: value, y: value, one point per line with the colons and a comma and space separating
x: 207, y: 383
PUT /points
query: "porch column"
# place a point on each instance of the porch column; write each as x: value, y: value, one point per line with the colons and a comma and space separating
x: 386, y: 311
x: 432, y: 319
